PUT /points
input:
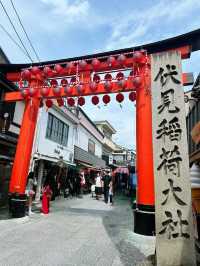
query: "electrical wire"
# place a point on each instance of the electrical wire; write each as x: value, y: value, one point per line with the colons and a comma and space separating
x: 25, y: 31
x: 10, y: 36
x: 16, y: 31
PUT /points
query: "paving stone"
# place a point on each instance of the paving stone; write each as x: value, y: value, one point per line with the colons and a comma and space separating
x: 82, y: 232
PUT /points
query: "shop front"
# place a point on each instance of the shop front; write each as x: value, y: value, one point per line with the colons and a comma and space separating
x: 89, y: 164
x: 54, y: 171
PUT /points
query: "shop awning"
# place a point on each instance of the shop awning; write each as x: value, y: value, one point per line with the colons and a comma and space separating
x: 52, y: 159
x: 87, y: 165
x: 87, y: 158
x: 63, y: 163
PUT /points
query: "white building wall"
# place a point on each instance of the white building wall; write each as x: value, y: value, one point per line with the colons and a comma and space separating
x: 86, y: 131
x: 90, y: 127
x: 17, y: 119
x: 46, y: 148
x: 99, y: 150
x: 83, y: 138
x: 19, y: 111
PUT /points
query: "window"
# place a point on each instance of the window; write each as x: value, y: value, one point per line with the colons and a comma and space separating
x: 57, y: 130
x: 49, y: 126
x: 65, y: 135
x: 91, y: 146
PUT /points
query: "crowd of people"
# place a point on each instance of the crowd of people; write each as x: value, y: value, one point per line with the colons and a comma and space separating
x: 56, y: 183
x: 66, y: 183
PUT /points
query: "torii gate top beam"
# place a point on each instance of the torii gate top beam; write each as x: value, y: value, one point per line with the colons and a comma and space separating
x: 184, y: 43
x: 191, y: 39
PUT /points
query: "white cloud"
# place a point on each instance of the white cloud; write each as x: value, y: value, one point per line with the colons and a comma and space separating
x: 65, y: 16
x: 69, y: 12
x: 50, y: 23
x: 143, y: 26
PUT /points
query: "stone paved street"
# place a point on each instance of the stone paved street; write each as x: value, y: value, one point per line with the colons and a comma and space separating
x: 76, y: 232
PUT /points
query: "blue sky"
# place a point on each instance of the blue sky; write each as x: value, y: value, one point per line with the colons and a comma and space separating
x: 67, y: 28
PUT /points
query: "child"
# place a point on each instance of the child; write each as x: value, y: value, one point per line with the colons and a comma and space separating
x: 111, y: 192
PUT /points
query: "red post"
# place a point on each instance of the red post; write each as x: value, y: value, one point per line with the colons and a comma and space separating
x: 144, y: 222
x: 22, y: 158
x: 24, y: 147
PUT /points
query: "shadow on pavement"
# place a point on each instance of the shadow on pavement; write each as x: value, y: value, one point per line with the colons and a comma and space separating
x: 4, y: 213
x: 119, y: 226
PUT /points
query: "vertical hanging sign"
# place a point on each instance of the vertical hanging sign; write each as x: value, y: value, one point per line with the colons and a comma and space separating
x: 174, y: 225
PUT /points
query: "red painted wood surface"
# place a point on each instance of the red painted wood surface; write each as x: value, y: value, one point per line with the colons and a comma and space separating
x: 16, y: 96
x: 24, y: 147
x: 144, y: 161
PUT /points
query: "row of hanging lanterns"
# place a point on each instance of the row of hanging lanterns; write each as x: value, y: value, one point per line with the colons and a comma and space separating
x: 96, y: 78
x: 80, y: 87
x: 120, y: 78
x: 74, y: 85
x: 95, y: 100
x: 139, y: 57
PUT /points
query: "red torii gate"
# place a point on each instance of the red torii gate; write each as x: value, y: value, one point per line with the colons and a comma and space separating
x: 139, y: 81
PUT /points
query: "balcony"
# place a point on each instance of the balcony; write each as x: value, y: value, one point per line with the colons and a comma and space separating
x: 109, y: 144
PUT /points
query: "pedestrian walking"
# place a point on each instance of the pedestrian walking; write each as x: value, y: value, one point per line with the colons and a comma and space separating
x: 34, y: 186
x: 98, y: 186
x: 82, y: 183
x: 77, y: 184
x: 30, y: 192
x: 111, y: 192
x: 70, y: 186
x: 51, y: 181
x: 106, y: 181
x: 93, y: 190
x: 46, y: 197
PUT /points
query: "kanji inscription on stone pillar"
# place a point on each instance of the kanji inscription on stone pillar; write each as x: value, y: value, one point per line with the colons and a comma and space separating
x: 174, y: 225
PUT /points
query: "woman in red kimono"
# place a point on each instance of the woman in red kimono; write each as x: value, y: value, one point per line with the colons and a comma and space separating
x: 46, y: 196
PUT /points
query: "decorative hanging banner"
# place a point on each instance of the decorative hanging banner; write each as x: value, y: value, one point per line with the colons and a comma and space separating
x: 174, y: 225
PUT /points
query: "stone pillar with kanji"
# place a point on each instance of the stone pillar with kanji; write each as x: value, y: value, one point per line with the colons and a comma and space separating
x: 174, y: 224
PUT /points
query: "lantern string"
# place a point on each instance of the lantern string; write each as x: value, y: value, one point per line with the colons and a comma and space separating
x: 140, y: 69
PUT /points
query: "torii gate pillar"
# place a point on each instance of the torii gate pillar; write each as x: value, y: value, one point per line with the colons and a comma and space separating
x: 22, y: 158
x: 144, y: 214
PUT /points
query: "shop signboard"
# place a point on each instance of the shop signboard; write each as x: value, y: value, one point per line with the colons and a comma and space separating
x: 110, y: 159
